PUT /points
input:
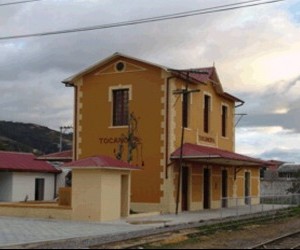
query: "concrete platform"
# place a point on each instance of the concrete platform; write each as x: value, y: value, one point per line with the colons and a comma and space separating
x: 31, y: 233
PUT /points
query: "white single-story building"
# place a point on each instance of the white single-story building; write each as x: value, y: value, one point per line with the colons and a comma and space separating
x: 57, y: 160
x: 23, y: 178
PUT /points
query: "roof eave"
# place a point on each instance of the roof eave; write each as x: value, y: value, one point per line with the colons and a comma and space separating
x: 102, y: 168
x: 213, y: 159
x: 30, y: 171
x: 233, y: 98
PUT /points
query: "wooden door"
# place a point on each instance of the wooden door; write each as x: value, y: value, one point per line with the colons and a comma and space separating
x: 39, y: 189
x: 224, y: 188
x: 185, y: 189
x: 206, y: 189
x: 247, y: 188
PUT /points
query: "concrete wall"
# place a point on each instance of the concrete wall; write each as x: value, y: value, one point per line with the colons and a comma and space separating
x: 5, y: 186
x: 45, y: 212
x: 24, y: 184
x: 276, y: 187
x: 110, y: 196
x: 86, y: 195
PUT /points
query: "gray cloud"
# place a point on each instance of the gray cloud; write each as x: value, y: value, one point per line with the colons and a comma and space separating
x: 288, y: 155
x: 278, y: 105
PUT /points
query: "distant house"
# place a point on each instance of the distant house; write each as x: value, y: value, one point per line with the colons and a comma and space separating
x: 22, y: 177
x: 279, y: 178
x: 289, y: 171
x: 60, y: 157
x: 57, y: 160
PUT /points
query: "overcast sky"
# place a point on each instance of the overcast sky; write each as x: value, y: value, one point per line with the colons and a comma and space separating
x: 256, y: 52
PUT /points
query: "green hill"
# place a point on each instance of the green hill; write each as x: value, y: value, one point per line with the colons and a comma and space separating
x: 26, y: 137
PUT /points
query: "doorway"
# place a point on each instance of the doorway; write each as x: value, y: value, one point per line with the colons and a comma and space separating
x: 185, y: 189
x: 224, y: 189
x: 247, y: 188
x: 124, y: 196
x: 206, y: 189
x: 39, y: 189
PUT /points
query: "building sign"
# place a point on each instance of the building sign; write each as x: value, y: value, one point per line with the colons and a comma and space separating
x: 112, y: 140
x: 207, y: 139
x: 116, y: 140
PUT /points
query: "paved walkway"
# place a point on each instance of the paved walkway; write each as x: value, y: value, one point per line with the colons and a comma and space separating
x: 16, y: 231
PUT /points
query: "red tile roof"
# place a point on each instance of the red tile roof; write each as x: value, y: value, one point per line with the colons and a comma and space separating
x: 101, y: 162
x: 192, y: 75
x: 207, y: 75
x: 60, y: 156
x: 23, y: 162
x: 211, y: 155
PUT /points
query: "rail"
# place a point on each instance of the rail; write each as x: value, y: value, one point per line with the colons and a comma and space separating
x: 287, y: 241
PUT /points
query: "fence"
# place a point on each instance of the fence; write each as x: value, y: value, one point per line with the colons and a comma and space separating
x: 249, y: 205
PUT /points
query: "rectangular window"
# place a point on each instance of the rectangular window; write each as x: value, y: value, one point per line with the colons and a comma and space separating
x: 224, y: 120
x: 185, y: 115
x: 120, y: 107
x: 207, y: 108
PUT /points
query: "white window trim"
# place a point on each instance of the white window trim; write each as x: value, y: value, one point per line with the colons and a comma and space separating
x: 120, y: 71
x: 119, y: 87
x: 223, y: 104
x: 211, y: 100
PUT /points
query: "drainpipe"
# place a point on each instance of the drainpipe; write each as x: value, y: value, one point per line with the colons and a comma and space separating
x: 240, y: 105
x: 75, y: 124
x: 71, y: 84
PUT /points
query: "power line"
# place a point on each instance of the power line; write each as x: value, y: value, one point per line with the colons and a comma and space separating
x: 198, y: 12
x: 20, y: 2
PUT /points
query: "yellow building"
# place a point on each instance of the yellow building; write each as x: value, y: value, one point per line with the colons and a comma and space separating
x: 135, y: 110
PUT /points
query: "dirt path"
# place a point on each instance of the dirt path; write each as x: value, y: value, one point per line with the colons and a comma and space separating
x: 234, y: 239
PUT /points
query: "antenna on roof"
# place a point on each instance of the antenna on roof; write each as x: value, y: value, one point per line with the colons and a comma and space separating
x: 241, y: 116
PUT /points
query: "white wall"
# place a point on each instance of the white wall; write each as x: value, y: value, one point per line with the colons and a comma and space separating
x: 277, y: 187
x: 5, y: 186
x: 24, y: 184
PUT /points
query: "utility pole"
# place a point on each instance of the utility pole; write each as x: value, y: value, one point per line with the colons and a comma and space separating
x: 185, y: 93
x: 63, y: 129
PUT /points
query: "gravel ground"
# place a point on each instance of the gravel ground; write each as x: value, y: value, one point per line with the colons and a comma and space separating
x: 234, y: 239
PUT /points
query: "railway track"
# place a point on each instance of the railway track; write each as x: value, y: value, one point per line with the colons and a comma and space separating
x: 287, y: 241
x: 183, y: 234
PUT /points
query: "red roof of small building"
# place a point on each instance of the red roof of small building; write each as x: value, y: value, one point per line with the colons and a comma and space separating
x: 23, y: 162
x: 212, y: 155
x: 101, y: 162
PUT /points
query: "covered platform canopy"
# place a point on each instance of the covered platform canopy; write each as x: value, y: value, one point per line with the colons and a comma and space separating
x: 215, y: 156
